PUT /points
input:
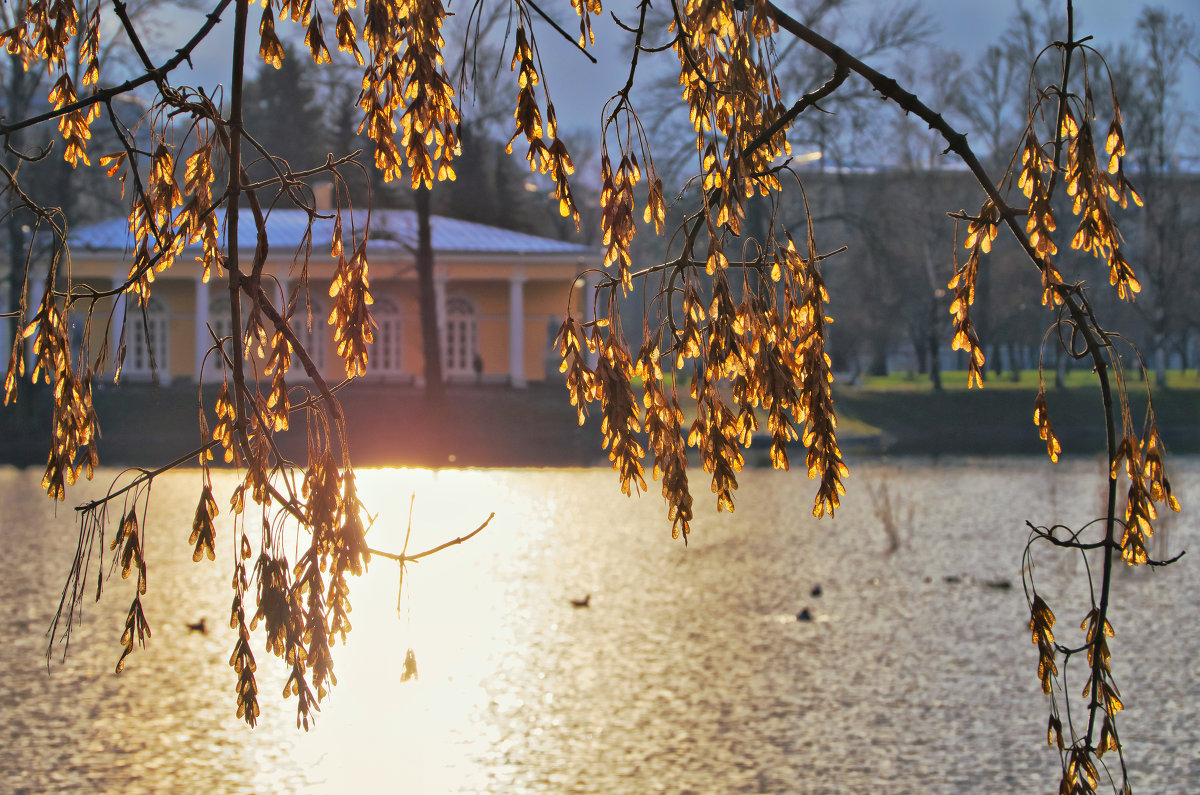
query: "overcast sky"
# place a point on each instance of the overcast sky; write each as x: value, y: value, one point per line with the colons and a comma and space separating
x: 967, y: 25
x: 580, y: 90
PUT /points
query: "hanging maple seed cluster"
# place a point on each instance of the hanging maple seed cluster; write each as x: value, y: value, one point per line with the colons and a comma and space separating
x: 764, y: 351
x: 547, y: 154
x: 75, y: 430
x: 1092, y: 187
x: 981, y: 232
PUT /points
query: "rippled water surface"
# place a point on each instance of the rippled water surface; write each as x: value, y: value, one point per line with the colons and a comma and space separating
x: 688, y: 672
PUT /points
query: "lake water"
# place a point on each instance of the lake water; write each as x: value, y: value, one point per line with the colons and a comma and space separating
x: 688, y: 673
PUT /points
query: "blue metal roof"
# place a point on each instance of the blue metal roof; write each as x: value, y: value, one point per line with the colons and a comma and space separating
x: 390, y: 230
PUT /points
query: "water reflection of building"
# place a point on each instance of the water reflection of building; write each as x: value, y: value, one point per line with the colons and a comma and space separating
x: 497, y: 293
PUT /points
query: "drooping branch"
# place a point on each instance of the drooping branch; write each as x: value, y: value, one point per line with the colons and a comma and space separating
x: 183, y: 54
x: 233, y: 197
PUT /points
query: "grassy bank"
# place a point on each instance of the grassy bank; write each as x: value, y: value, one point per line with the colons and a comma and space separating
x: 998, y: 419
x: 497, y: 426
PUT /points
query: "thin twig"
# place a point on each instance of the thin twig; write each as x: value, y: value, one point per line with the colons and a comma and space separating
x: 405, y: 558
x: 555, y: 25
x: 146, y: 476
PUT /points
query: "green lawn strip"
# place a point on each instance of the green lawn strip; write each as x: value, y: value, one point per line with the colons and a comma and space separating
x: 1028, y: 379
x: 993, y: 420
x: 997, y: 418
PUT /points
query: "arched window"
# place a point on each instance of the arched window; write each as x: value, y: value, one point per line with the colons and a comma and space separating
x: 218, y: 318
x: 143, y: 335
x: 462, y: 334
x: 314, y: 340
x: 386, y: 357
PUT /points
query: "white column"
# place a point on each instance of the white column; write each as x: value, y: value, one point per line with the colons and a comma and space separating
x: 439, y: 302
x: 118, y: 324
x: 203, y: 339
x: 516, y: 328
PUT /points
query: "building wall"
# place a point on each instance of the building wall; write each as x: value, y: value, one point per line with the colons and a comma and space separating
x: 544, y: 302
x: 180, y: 298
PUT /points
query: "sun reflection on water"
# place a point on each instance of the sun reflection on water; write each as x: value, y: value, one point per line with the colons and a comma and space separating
x: 688, y: 669
x: 448, y: 612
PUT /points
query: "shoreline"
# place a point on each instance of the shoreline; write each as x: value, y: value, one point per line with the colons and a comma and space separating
x: 497, y: 426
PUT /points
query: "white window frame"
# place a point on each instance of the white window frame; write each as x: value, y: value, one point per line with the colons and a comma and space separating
x: 386, y: 358
x: 137, y: 352
x: 461, y: 339
x: 316, y: 341
x: 218, y: 318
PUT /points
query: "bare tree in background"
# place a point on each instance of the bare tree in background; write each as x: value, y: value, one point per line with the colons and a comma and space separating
x: 1166, y: 229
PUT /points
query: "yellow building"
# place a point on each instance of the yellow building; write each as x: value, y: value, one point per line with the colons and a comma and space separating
x: 499, y: 296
